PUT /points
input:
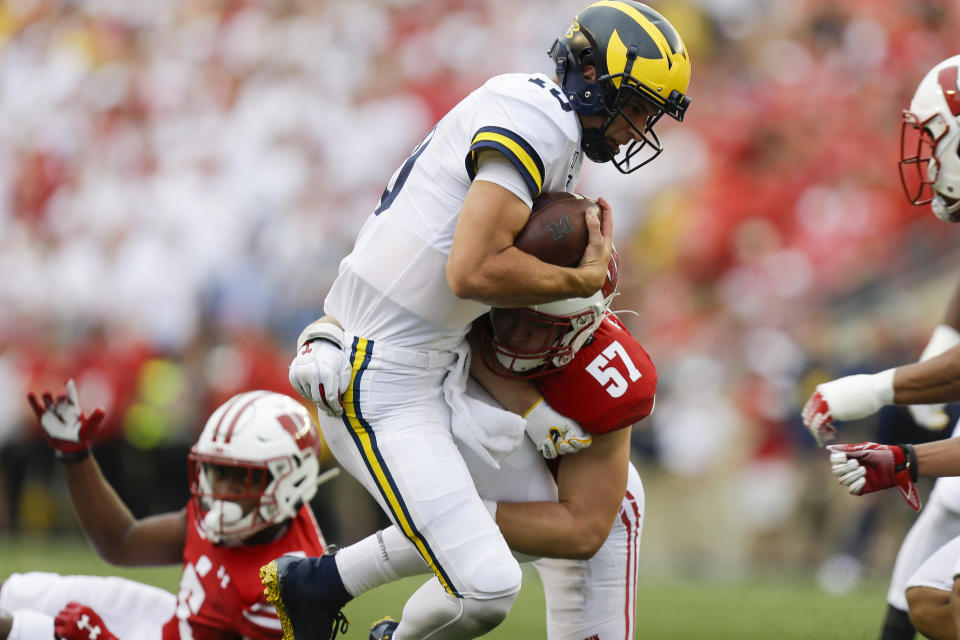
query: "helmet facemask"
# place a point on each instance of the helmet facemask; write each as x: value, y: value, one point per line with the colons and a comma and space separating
x: 232, y: 497
x: 254, y: 488
x: 929, y: 139
x: 524, y: 340
x: 629, y: 103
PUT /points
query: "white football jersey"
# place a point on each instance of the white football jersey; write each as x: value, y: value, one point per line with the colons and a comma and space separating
x: 392, y: 286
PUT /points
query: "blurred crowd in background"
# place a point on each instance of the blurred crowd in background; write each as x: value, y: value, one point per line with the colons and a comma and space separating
x: 179, y: 180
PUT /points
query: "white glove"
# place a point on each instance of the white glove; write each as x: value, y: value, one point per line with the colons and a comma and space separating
x: 933, y: 416
x: 321, y: 370
x: 553, y: 433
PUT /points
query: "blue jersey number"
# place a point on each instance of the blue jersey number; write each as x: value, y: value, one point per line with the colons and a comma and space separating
x: 554, y: 92
x: 390, y: 193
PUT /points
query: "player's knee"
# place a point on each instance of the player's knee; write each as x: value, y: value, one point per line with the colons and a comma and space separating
x: 496, y: 576
x: 480, y: 616
x: 929, y: 608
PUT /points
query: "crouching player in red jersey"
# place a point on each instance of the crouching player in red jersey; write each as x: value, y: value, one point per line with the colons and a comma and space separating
x: 581, y: 514
x: 253, y: 470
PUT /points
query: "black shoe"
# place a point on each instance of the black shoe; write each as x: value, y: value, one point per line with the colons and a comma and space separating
x: 383, y: 629
x: 308, y: 595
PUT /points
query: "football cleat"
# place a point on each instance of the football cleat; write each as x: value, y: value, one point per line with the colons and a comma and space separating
x: 383, y: 628
x: 308, y: 595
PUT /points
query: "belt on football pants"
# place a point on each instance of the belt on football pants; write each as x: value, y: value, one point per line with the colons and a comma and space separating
x: 418, y: 358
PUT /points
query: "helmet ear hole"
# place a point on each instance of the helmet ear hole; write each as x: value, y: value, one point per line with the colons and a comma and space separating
x: 586, y: 58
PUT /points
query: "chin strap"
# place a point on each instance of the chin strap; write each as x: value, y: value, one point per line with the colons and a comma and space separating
x: 594, y: 145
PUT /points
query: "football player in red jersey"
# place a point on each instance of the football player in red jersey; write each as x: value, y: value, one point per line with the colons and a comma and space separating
x: 923, y: 574
x: 253, y: 471
x: 582, y: 515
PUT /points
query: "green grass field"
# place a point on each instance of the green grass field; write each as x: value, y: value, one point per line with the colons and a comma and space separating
x: 780, y: 607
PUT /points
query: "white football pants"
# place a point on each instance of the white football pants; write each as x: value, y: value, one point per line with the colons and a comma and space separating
x: 129, y: 609
x: 937, y: 524
x: 395, y: 438
x: 585, y: 598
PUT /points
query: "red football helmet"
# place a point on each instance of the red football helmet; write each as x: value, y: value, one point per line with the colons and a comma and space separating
x: 531, y: 341
x: 256, y: 461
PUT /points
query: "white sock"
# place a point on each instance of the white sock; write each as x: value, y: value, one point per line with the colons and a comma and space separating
x: 383, y: 557
x: 31, y: 625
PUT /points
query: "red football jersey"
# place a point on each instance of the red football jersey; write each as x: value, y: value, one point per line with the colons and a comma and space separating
x: 220, y: 596
x: 609, y: 385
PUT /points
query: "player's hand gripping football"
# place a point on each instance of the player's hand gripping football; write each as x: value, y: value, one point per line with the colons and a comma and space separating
x: 79, y: 622
x: 596, y: 256
x: 553, y: 433
x: 868, y: 467
x: 320, y: 371
x: 65, y: 427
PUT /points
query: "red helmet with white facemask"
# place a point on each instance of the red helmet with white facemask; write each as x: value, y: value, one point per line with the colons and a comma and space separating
x: 255, y: 463
x: 929, y: 160
x: 531, y: 341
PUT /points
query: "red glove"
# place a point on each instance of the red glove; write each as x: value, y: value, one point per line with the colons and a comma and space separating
x: 79, y: 622
x: 817, y: 419
x: 65, y: 427
x: 868, y: 467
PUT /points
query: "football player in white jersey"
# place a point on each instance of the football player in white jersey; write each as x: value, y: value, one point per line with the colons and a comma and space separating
x: 436, y: 253
x: 930, y: 172
x: 581, y: 524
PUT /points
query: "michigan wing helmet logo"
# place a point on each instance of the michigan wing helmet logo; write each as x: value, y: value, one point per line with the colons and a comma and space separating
x: 637, y: 55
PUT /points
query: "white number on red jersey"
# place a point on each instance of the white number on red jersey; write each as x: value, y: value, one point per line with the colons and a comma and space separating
x: 191, y: 595
x: 604, y: 371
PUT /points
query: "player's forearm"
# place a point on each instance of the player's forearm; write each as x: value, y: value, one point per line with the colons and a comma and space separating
x: 933, y: 380
x: 549, y: 530
x: 104, y: 517
x: 938, y: 459
x: 951, y: 317
x: 484, y: 265
x: 512, y: 278
x: 590, y: 486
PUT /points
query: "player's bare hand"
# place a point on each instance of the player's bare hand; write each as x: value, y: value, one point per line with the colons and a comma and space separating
x: 596, y: 256
x: 65, y: 427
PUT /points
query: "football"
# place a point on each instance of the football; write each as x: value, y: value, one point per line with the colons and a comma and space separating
x: 556, y: 231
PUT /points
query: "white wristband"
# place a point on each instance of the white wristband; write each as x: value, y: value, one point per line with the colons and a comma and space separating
x: 321, y: 330
x: 944, y: 338
x: 858, y: 396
